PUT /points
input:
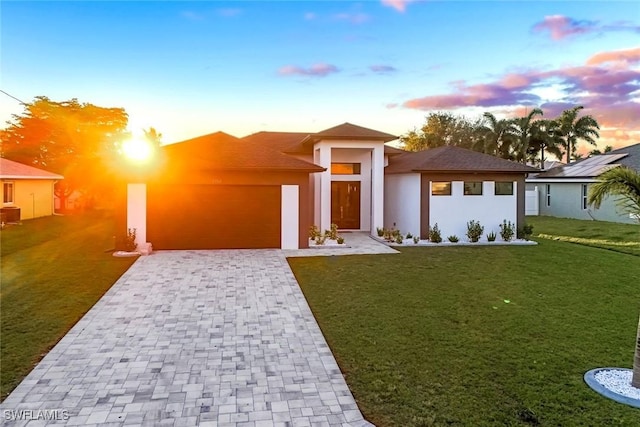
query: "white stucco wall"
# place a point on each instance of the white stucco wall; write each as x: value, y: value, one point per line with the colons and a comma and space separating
x: 290, y: 217
x: 371, y: 156
x: 452, y: 213
x: 402, y: 203
x: 137, y: 211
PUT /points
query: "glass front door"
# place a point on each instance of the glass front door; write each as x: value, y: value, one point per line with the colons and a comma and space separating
x: 345, y: 204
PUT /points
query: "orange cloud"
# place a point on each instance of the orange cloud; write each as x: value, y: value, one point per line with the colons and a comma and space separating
x: 626, y: 56
x: 399, y: 5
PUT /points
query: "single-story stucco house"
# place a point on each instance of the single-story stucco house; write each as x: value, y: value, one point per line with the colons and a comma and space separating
x: 27, y: 192
x: 265, y: 190
x: 563, y: 191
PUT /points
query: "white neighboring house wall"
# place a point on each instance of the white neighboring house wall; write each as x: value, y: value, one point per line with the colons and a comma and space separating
x: 290, y: 217
x: 371, y: 156
x: 452, y: 213
x: 402, y: 203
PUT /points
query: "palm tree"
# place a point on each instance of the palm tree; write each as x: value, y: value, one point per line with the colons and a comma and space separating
x: 546, y: 136
x: 525, y: 128
x: 623, y: 182
x: 573, y: 129
x: 496, y: 135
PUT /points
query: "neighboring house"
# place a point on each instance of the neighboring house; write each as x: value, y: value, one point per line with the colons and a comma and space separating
x: 27, y: 192
x: 563, y: 191
x: 267, y: 189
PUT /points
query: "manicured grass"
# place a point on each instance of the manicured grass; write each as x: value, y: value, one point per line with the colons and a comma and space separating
x: 53, y: 270
x: 607, y: 235
x: 478, y: 336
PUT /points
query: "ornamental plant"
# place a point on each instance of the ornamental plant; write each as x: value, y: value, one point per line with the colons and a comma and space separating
x: 434, y: 234
x: 474, y: 231
x: 507, y: 230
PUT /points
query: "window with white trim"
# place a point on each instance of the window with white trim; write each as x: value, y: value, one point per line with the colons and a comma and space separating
x: 7, y: 192
x: 584, y: 196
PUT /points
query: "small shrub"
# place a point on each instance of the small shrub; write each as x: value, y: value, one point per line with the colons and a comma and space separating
x: 395, y: 233
x: 453, y: 239
x: 474, y: 230
x: 340, y: 240
x: 380, y: 231
x: 434, y: 234
x: 399, y: 238
x: 506, y: 230
x: 386, y: 235
x: 491, y: 237
x: 333, y: 232
x: 320, y: 239
x: 314, y: 232
x: 409, y: 236
x: 416, y: 239
x: 525, y: 231
x: 128, y: 241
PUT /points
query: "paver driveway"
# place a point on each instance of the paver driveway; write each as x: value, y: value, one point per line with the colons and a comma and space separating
x: 189, y: 338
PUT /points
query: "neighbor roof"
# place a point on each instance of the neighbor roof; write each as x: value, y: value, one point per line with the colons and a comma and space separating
x: 221, y: 151
x: 596, y: 165
x: 14, y: 170
x: 452, y: 159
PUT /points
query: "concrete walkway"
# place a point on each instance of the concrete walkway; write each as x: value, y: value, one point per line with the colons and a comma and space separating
x: 186, y: 338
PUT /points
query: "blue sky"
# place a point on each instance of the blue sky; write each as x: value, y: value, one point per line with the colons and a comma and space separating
x: 191, y: 68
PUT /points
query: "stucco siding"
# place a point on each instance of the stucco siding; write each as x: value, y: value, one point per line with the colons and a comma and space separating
x: 565, y: 200
x: 452, y: 213
x: 402, y: 202
x: 34, y: 197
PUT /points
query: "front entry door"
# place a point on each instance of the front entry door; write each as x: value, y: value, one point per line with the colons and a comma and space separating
x: 345, y: 204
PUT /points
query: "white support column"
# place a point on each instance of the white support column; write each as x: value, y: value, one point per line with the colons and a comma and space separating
x: 290, y: 217
x: 325, y: 188
x: 317, y: 185
x: 377, y: 188
x: 137, y: 212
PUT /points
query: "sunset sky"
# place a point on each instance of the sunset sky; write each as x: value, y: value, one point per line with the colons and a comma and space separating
x: 191, y: 68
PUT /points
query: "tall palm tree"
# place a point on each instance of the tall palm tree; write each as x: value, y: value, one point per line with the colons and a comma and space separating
x: 525, y: 128
x: 546, y: 137
x: 497, y: 135
x: 623, y: 182
x: 574, y: 128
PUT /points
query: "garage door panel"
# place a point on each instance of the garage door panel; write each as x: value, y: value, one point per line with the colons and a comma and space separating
x: 213, y: 217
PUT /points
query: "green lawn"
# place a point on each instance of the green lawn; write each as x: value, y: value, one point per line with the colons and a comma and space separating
x: 608, y: 235
x: 479, y: 336
x: 53, y: 270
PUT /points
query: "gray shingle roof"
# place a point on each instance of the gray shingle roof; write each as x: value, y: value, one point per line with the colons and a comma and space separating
x: 452, y: 159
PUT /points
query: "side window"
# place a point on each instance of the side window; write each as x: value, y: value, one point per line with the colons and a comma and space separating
x: 504, y: 188
x: 441, y: 188
x: 7, y: 192
x: 548, y: 194
x: 473, y: 188
x: 584, y: 196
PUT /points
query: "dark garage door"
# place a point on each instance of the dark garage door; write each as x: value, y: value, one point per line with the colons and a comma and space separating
x: 213, y: 216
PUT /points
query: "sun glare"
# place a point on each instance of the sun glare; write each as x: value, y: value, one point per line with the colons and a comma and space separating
x: 137, y: 150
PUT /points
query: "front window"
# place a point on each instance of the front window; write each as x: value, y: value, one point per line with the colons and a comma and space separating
x: 504, y: 188
x: 345, y: 168
x: 473, y: 188
x: 441, y: 188
x: 548, y: 195
x: 7, y: 192
x: 584, y: 196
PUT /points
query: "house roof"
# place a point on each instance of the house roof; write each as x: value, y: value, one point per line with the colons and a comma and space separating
x: 14, y: 170
x: 351, y: 131
x: 293, y: 142
x: 452, y: 159
x: 596, y: 165
x: 221, y: 151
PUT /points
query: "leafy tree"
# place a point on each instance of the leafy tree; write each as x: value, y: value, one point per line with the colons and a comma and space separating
x: 573, y: 128
x: 441, y: 129
x: 496, y: 135
x: 77, y: 140
x: 525, y: 129
x: 597, y: 151
x: 153, y: 136
x: 623, y: 182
